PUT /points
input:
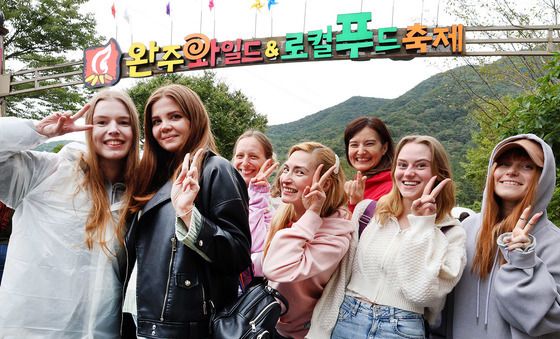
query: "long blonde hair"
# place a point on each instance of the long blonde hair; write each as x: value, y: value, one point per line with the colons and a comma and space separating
x: 494, y: 223
x: 94, y: 181
x: 392, y: 203
x: 158, y: 165
x: 335, y: 194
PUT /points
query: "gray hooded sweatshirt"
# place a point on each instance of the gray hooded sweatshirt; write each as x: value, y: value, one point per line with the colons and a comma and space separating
x: 521, y: 298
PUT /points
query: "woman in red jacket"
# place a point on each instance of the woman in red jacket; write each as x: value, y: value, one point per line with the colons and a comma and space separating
x: 370, y: 150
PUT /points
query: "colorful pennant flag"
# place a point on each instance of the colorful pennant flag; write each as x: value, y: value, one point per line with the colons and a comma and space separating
x: 168, y: 8
x: 113, y: 10
x: 271, y: 2
x: 257, y: 5
x: 211, y: 4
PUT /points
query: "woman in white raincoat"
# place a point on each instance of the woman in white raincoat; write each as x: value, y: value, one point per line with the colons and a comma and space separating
x: 61, y: 276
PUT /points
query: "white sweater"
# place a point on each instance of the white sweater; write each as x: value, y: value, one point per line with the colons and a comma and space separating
x: 412, y: 269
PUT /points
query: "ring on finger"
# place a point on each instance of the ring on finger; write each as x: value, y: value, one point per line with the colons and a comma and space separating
x: 521, y: 218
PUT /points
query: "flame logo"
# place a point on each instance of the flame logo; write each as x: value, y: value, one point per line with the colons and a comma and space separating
x: 102, y: 65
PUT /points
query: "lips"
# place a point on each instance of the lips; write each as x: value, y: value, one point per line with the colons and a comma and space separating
x: 168, y: 137
x: 113, y: 142
x: 289, y: 190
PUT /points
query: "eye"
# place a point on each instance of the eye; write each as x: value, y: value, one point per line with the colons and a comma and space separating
x: 100, y: 123
x: 239, y: 156
x: 401, y: 165
x: 285, y: 169
x: 177, y: 116
x: 370, y: 143
x: 353, y: 145
x: 156, y: 122
x: 124, y: 122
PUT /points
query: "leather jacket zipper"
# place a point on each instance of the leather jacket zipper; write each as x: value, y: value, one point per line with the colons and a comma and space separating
x: 173, y: 250
x: 123, y: 288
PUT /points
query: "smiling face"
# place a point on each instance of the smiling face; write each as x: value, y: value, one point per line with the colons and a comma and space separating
x: 249, y: 157
x: 365, y: 149
x: 112, y: 131
x: 512, y: 177
x: 170, y: 126
x: 297, y: 173
x: 413, y: 170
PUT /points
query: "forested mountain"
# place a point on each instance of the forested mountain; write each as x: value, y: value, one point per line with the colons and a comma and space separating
x: 438, y: 106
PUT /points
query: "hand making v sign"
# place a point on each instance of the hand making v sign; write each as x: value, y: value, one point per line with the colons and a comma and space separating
x: 185, y: 188
x: 426, y: 204
x: 60, y: 123
x: 520, y: 234
x: 261, y: 179
x: 314, y: 196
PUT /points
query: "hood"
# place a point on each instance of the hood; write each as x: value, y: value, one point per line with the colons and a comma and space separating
x: 547, y: 181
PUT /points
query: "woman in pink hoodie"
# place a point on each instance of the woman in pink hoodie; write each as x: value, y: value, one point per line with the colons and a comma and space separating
x: 309, y: 234
x: 254, y: 159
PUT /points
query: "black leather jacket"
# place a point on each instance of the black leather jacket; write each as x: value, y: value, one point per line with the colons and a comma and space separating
x: 173, y: 291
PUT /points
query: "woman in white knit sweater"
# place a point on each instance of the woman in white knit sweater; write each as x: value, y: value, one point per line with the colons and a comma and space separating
x: 411, y: 254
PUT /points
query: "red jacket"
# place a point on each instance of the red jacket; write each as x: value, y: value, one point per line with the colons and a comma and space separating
x: 376, y: 187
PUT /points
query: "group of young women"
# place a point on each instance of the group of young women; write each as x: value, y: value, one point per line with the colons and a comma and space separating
x: 188, y: 228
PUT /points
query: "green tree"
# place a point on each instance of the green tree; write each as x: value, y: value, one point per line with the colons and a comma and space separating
x: 43, y: 33
x: 231, y: 113
x: 537, y: 112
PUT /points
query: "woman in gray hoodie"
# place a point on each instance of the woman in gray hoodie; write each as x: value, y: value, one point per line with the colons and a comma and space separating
x: 511, y: 285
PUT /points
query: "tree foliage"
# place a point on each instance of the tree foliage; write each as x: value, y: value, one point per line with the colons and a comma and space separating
x: 537, y: 112
x: 231, y: 112
x: 43, y: 33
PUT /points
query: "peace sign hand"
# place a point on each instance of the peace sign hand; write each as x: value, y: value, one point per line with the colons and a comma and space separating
x: 61, y: 123
x: 355, y: 188
x: 314, y: 196
x: 185, y: 188
x: 261, y: 179
x: 426, y: 204
x: 520, y: 234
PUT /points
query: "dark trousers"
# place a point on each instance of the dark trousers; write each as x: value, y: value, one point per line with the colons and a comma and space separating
x: 3, y: 251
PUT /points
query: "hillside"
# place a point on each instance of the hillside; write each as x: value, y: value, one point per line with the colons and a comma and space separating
x: 438, y: 106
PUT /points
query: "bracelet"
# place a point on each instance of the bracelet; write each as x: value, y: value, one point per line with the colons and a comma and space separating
x: 185, y: 214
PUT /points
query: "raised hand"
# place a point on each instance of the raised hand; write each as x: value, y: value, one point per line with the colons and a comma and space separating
x: 61, y: 123
x: 314, y: 196
x: 261, y: 179
x: 185, y: 188
x: 426, y: 204
x: 355, y: 188
x: 520, y: 233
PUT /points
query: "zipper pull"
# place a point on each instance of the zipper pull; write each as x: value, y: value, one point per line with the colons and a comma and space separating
x: 173, y: 244
x: 253, y: 327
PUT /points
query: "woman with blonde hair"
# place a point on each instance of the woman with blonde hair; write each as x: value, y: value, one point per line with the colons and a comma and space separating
x: 309, y: 233
x: 190, y: 233
x: 408, y: 258
x: 61, y: 277
x: 254, y: 159
x: 511, y: 286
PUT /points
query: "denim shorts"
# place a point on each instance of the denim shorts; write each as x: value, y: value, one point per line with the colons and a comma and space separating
x: 359, y: 319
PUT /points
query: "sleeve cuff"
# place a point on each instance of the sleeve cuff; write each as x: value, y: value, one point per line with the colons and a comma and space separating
x: 519, y: 258
x: 259, y: 188
x: 190, y: 235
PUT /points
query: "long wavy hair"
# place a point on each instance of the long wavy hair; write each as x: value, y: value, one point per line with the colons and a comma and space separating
x: 392, y: 203
x: 158, y: 165
x: 94, y: 181
x: 335, y: 194
x: 494, y: 222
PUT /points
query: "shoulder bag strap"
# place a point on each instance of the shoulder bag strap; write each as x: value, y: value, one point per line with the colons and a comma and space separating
x: 366, y: 216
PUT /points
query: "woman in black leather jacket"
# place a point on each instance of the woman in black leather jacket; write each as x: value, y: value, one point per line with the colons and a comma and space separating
x: 189, y: 251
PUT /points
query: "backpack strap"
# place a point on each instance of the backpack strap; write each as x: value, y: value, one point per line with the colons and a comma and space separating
x: 366, y: 216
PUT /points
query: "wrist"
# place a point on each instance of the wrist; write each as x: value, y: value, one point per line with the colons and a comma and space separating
x: 184, y: 211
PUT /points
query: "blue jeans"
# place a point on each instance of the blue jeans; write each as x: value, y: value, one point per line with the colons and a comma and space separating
x: 359, y: 319
x: 3, y: 251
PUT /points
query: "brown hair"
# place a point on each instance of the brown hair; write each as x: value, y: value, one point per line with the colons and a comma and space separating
x: 379, y: 126
x: 335, y: 194
x: 392, y: 203
x: 494, y: 222
x: 94, y: 181
x: 261, y: 138
x: 157, y: 165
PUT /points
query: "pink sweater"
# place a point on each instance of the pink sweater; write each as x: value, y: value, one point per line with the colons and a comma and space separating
x: 300, y: 262
x: 260, y: 215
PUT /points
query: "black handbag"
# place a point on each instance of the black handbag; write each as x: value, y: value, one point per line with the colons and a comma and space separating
x: 254, y: 314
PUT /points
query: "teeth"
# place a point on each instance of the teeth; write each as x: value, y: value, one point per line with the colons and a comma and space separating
x: 114, y: 142
x: 409, y: 183
x: 509, y: 182
x: 289, y: 190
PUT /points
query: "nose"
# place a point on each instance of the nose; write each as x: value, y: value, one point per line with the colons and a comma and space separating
x: 512, y: 170
x: 113, y: 128
x: 360, y: 149
x: 245, y: 161
x: 165, y: 126
x: 409, y: 171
